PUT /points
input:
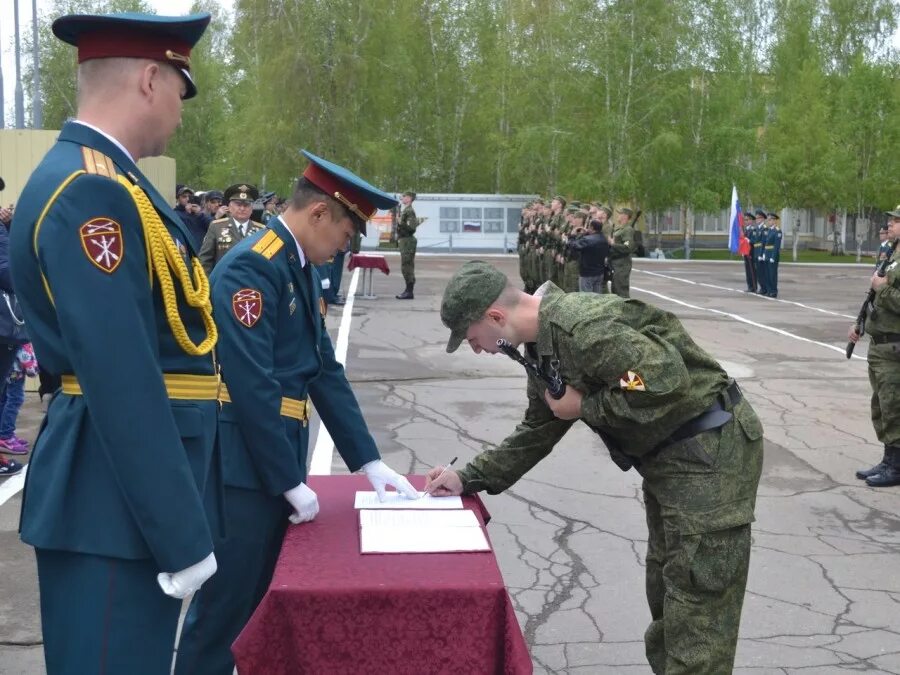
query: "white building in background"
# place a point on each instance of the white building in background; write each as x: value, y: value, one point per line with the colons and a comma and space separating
x: 460, y: 221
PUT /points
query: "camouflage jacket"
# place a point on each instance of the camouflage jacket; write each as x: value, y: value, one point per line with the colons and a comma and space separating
x: 885, y: 316
x: 407, y: 223
x: 623, y: 244
x: 641, y: 374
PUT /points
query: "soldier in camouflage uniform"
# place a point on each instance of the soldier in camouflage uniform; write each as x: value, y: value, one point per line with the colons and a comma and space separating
x: 575, y: 218
x: 663, y: 405
x: 884, y: 365
x: 622, y: 246
x: 406, y: 242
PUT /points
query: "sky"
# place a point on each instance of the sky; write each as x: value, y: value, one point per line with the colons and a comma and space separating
x: 7, y: 40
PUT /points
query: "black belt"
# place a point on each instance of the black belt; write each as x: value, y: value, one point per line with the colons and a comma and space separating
x: 887, y: 337
x: 717, y: 415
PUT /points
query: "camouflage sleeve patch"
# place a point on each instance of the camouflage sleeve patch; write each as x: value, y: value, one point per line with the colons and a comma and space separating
x: 101, y: 240
x: 631, y: 381
x: 247, y: 306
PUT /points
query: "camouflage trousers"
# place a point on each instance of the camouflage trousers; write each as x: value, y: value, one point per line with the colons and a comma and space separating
x: 570, y: 276
x: 884, y: 375
x: 621, y: 276
x: 699, y: 496
x: 407, y: 246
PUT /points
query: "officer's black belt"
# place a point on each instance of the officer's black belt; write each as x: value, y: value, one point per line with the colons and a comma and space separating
x: 717, y: 415
x: 884, y: 339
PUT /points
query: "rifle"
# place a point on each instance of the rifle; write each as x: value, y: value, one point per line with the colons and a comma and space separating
x: 557, y: 389
x: 870, y: 298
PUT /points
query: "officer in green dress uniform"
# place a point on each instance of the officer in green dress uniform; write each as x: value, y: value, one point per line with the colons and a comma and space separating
x: 276, y: 354
x: 228, y: 231
x: 406, y: 242
x: 124, y: 481
x: 662, y: 405
x: 883, y: 327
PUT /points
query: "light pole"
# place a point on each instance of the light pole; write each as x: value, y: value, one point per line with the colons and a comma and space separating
x: 37, y: 105
x: 20, y: 104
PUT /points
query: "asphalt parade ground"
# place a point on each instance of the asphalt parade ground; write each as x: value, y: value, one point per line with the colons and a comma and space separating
x: 824, y: 588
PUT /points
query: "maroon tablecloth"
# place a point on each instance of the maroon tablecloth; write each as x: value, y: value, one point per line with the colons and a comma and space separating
x: 332, y: 610
x: 368, y: 261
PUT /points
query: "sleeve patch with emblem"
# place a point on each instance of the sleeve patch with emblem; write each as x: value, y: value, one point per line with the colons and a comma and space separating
x: 631, y: 381
x: 101, y: 239
x: 247, y: 305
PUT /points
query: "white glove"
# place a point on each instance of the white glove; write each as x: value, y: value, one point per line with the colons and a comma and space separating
x: 305, y: 503
x: 380, y: 474
x: 182, y: 584
x: 771, y: 260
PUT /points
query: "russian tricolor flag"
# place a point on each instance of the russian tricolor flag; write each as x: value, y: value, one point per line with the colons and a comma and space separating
x: 736, y: 237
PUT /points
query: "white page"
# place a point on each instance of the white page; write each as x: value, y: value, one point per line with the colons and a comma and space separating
x: 417, y: 518
x: 395, y: 500
x: 422, y: 540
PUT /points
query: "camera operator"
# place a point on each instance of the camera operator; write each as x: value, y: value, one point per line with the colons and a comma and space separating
x: 592, y: 249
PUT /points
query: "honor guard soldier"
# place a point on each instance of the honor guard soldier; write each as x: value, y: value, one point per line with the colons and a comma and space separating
x: 885, y: 247
x: 632, y: 373
x: 406, y: 242
x: 228, y: 231
x: 749, y: 258
x: 622, y: 247
x: 117, y: 302
x: 762, y: 233
x: 275, y: 355
x: 772, y: 254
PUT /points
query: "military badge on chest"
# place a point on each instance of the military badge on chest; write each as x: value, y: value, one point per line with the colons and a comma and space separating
x: 247, y: 305
x: 101, y: 239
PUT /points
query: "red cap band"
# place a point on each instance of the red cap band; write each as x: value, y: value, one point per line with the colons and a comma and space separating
x: 338, y: 189
x: 134, y: 44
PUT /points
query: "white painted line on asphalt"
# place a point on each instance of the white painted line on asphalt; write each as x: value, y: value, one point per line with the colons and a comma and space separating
x: 11, y: 487
x: 324, y: 448
x: 737, y: 290
x: 747, y: 321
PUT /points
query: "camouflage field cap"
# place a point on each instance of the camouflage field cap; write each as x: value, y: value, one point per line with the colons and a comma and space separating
x: 895, y: 213
x: 471, y: 290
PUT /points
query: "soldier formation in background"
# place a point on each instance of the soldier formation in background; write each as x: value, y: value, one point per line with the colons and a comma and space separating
x: 575, y: 246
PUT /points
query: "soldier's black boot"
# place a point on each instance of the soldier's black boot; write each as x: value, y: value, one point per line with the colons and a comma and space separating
x: 890, y: 475
x: 862, y: 474
x: 407, y: 294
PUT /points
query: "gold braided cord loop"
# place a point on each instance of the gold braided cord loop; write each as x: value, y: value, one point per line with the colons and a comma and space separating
x: 164, y: 258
